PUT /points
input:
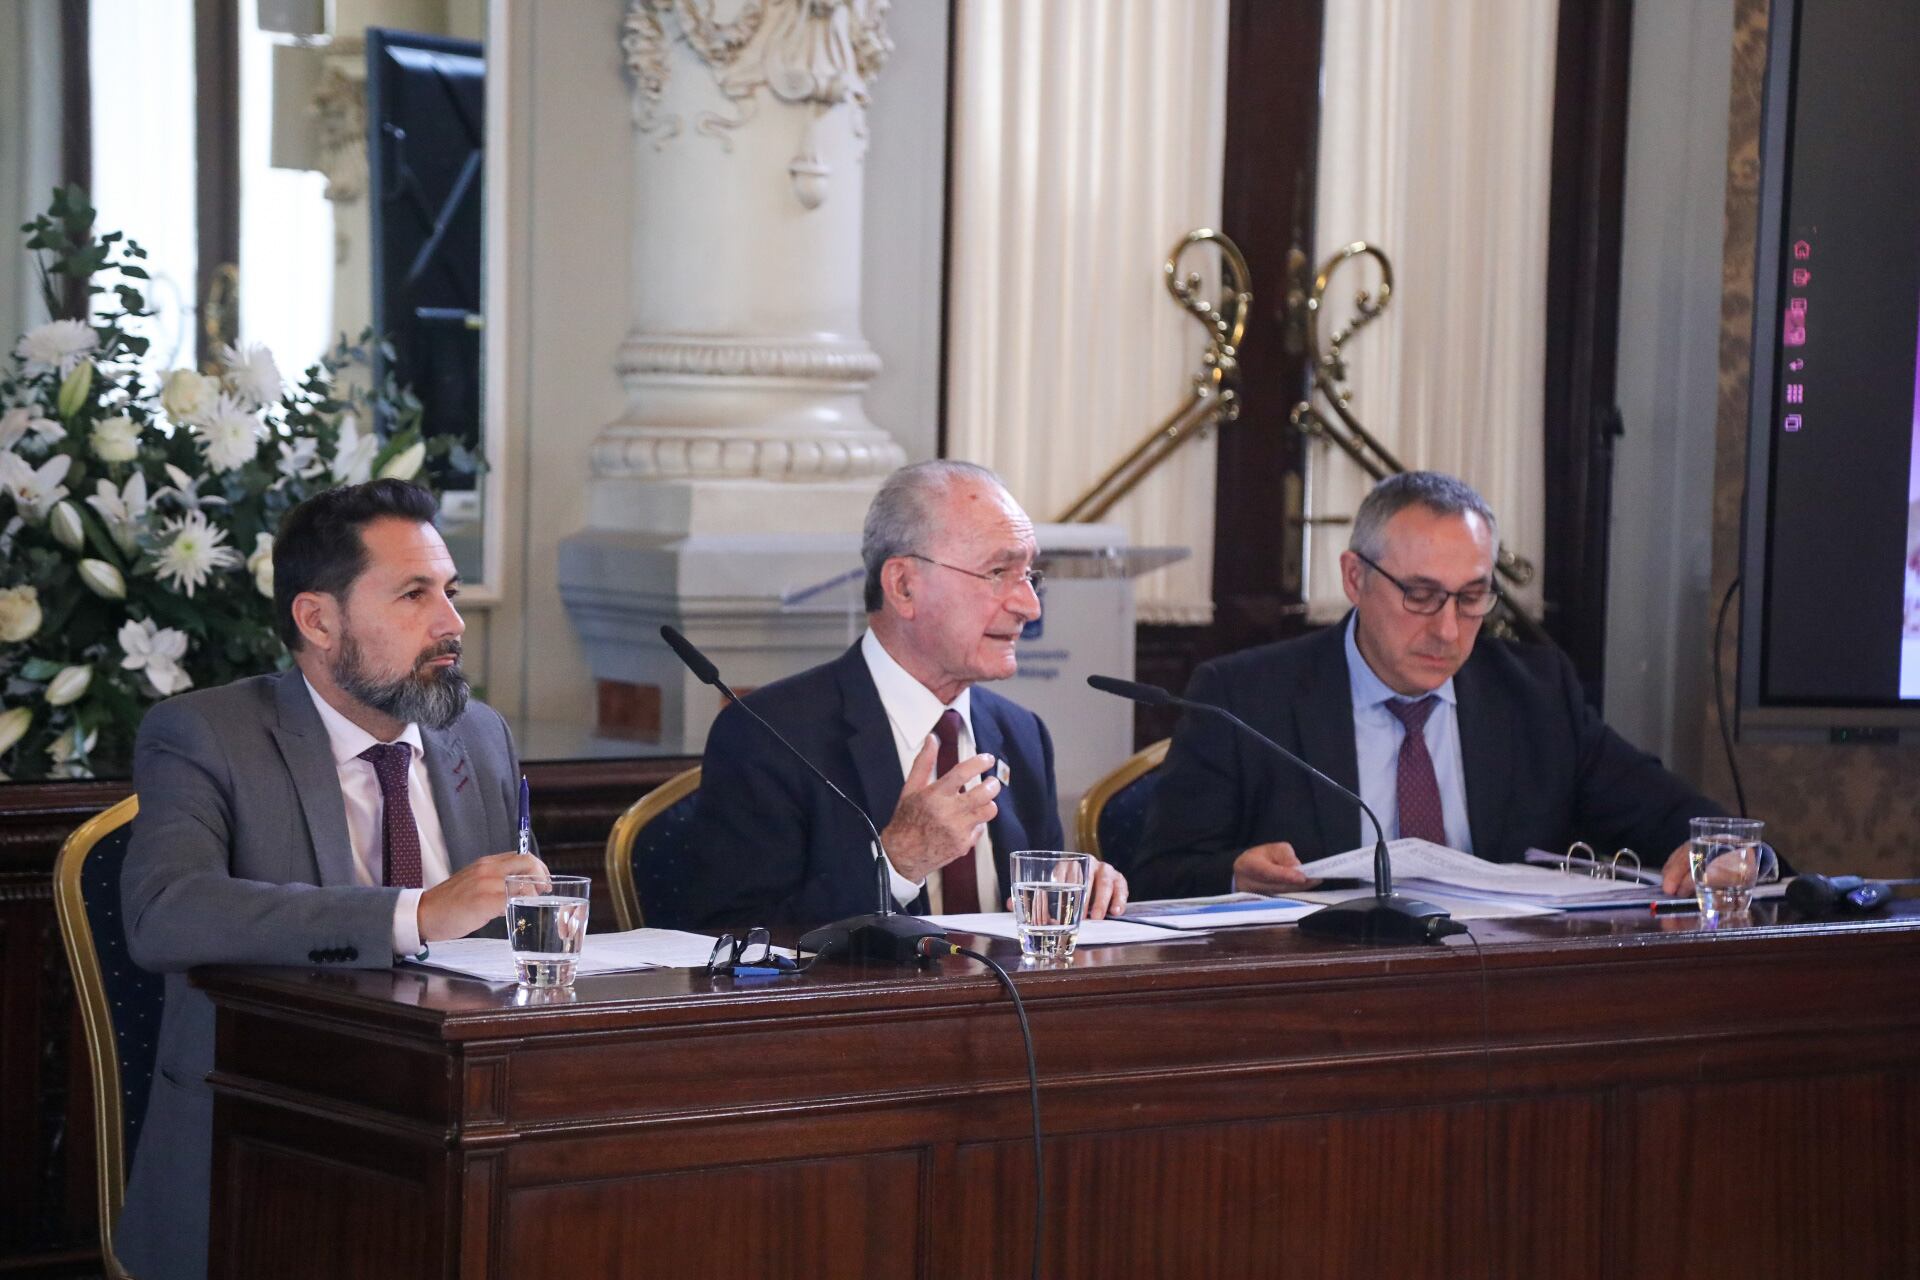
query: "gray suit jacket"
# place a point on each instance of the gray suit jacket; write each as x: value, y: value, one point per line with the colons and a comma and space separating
x: 240, y: 855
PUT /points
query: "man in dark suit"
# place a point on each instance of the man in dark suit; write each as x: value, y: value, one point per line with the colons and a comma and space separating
x: 1476, y: 744
x: 341, y: 813
x: 955, y: 776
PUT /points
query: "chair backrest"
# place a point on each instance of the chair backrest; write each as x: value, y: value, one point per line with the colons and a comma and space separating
x: 646, y: 844
x: 120, y: 1002
x: 1113, y: 812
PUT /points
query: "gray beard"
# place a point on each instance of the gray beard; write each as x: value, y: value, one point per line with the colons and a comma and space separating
x: 430, y: 697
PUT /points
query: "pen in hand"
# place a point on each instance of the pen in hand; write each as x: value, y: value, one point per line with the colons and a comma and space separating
x: 526, y: 818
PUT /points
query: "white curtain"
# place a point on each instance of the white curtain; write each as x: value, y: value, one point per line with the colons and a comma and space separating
x: 1087, y: 138
x: 1436, y: 145
x: 30, y: 138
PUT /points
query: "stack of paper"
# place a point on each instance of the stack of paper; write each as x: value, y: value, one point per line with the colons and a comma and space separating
x: 490, y: 960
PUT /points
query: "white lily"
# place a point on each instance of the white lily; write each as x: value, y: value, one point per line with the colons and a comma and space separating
x: 64, y: 523
x: 299, y: 460
x: 405, y: 465
x: 34, y: 490
x: 156, y: 651
x: 103, y: 579
x: 13, y: 727
x: 124, y: 509
x: 69, y: 753
x: 185, y: 489
x: 69, y: 686
x: 353, y: 459
x: 18, y: 423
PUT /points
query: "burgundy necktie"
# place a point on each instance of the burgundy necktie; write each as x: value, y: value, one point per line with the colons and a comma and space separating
x: 400, y: 839
x: 1417, y: 790
x: 959, y: 891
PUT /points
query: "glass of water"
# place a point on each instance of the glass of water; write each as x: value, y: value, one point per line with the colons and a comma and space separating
x: 1729, y: 859
x: 546, y: 923
x: 1049, y: 901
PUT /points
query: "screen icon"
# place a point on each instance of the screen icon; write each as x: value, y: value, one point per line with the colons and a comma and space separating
x: 1792, y: 422
x: 1802, y: 250
x: 1802, y: 277
x: 1795, y: 393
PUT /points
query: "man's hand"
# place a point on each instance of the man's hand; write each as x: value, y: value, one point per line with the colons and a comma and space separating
x: 1678, y: 876
x: 1108, y: 896
x: 472, y: 896
x: 1268, y: 868
x: 937, y: 820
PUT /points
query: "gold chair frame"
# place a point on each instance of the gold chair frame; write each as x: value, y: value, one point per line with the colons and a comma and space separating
x: 83, y: 958
x: 1086, y: 819
x: 626, y: 829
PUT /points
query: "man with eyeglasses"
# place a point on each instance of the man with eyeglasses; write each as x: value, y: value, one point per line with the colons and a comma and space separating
x: 955, y: 777
x: 1479, y: 745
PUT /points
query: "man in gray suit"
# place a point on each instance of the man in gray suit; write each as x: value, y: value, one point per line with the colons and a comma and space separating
x: 344, y: 812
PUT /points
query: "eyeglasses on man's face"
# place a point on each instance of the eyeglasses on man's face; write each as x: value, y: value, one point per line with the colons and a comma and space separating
x: 1003, y: 581
x: 1475, y: 600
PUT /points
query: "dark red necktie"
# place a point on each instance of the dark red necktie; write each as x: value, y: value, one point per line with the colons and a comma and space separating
x: 400, y: 839
x: 959, y: 891
x: 1418, y: 791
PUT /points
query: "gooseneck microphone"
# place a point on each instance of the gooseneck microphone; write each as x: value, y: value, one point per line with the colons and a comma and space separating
x: 1387, y: 917
x: 882, y: 935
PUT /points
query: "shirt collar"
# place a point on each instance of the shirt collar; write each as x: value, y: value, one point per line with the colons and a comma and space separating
x: 1368, y: 689
x: 909, y: 704
x: 349, y: 739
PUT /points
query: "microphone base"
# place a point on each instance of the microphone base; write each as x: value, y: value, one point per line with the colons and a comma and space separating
x: 1381, y: 921
x: 885, y: 939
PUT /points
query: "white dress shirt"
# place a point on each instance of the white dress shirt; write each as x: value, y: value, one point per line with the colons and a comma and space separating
x: 1377, y: 735
x: 366, y: 816
x: 912, y: 711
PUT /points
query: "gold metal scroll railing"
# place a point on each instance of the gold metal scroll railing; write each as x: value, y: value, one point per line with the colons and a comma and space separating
x: 1327, y: 379
x: 1216, y: 387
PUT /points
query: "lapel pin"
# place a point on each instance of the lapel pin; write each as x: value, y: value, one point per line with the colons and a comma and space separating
x: 1003, y: 773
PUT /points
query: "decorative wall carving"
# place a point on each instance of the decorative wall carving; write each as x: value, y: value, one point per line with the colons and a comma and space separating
x: 339, y: 109
x: 810, y: 360
x: 628, y: 453
x: 818, y: 54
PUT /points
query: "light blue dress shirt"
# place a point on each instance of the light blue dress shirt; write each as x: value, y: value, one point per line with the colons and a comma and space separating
x: 1377, y: 734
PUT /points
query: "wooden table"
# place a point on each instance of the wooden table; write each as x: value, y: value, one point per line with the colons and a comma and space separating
x: 1591, y: 1095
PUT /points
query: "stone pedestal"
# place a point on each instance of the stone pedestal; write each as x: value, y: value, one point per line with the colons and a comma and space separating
x: 744, y: 461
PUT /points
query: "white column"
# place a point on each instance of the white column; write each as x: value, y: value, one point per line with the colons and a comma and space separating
x: 745, y: 363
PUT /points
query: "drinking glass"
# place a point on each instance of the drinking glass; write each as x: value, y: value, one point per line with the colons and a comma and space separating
x: 546, y: 922
x: 1728, y: 859
x: 1049, y: 901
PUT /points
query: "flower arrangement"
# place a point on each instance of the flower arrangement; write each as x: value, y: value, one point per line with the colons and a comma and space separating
x: 136, y: 520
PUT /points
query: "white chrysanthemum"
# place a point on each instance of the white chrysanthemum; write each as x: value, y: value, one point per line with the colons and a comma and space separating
x: 252, y: 374
x: 56, y: 347
x: 34, y: 490
x: 192, y: 552
x: 124, y: 509
x: 230, y: 435
x: 156, y: 651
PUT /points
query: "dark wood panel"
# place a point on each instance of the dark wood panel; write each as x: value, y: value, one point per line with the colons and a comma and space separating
x: 852, y: 1217
x: 1570, y: 1100
x: 366, y: 1224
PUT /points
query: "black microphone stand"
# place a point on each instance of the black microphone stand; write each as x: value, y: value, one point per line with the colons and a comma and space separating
x: 885, y: 935
x: 1384, y: 919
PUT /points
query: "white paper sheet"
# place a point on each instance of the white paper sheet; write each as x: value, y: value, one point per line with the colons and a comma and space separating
x: 490, y: 959
x: 1093, y: 933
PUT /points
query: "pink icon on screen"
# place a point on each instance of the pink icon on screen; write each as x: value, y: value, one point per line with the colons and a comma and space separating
x: 1802, y: 277
x: 1802, y: 250
x: 1796, y: 365
x: 1792, y: 422
x: 1796, y: 331
x: 1795, y: 393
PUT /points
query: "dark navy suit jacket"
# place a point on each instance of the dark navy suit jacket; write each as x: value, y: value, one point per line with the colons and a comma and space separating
x: 1542, y: 768
x: 771, y: 845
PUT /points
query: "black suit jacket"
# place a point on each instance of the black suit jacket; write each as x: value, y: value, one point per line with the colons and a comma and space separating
x: 1542, y: 768
x: 771, y: 845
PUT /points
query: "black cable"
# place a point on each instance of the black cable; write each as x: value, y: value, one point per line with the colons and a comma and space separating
x: 1033, y: 1086
x: 1719, y: 699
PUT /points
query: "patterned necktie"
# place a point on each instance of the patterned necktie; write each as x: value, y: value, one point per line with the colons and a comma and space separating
x: 400, y: 839
x: 959, y: 891
x: 1417, y: 790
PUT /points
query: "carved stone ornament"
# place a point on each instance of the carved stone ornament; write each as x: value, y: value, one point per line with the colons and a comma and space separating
x: 641, y: 453
x: 816, y: 53
x: 852, y: 364
x: 339, y: 109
